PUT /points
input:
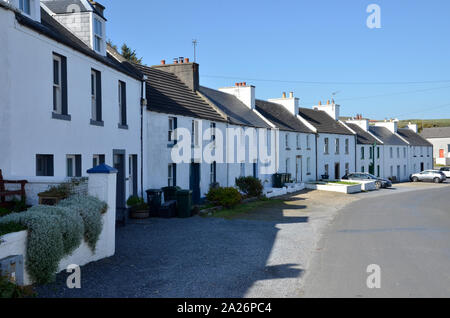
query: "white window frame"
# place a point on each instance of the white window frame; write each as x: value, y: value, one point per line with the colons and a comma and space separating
x: 57, y: 87
x: 94, y: 95
x: 195, y: 133
x: 326, y: 146
x: 308, y: 165
x: 327, y: 169
x: 73, y: 158
x: 286, y: 138
x: 171, y: 130
x: 347, y: 146
x: 212, y: 126
x: 98, y: 37
x: 211, y: 173
x: 336, y: 146
x: 121, y: 84
x: 288, y: 163
x: 299, y: 142
x: 398, y: 152
x: 242, y: 168
x: 308, y: 145
x: 170, y: 178
x: 23, y: 6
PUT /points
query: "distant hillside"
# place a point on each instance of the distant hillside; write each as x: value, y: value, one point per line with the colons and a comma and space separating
x: 427, y: 123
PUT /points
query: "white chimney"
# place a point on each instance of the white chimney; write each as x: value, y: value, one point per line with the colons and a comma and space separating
x: 330, y: 108
x: 245, y: 93
x: 392, y: 125
x: 361, y: 122
x: 413, y: 127
x: 291, y: 103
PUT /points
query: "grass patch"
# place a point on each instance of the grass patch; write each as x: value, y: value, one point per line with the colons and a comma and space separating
x: 343, y: 182
x: 245, y: 208
x: 11, y: 227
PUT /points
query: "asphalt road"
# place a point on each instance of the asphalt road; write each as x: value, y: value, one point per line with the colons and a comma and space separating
x: 406, y: 234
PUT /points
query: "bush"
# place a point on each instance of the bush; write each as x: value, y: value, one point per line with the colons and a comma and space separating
x: 56, y: 231
x: 4, y: 212
x: 11, y: 290
x: 250, y: 186
x: 11, y: 227
x: 226, y: 197
x: 134, y: 200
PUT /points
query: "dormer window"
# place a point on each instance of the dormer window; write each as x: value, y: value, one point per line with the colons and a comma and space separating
x: 25, y: 7
x: 98, y: 35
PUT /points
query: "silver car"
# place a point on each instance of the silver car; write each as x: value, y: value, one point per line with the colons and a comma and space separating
x: 429, y: 175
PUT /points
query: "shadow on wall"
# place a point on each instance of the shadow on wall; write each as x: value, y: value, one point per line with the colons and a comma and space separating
x: 196, y: 257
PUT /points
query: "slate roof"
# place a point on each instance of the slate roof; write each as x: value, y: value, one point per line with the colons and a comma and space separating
x: 238, y: 113
x: 166, y: 93
x: 323, y: 122
x: 413, y: 138
x: 53, y: 29
x: 363, y: 137
x: 279, y: 116
x: 62, y: 6
x: 436, y: 132
x: 386, y: 136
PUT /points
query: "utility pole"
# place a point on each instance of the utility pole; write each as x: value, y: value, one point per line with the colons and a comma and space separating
x: 194, y: 43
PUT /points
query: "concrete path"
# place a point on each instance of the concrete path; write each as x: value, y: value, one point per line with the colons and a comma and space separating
x: 407, y: 235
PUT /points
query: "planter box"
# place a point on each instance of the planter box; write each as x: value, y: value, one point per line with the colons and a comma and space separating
x: 294, y: 187
x: 342, y: 188
x: 45, y: 199
x: 366, y: 185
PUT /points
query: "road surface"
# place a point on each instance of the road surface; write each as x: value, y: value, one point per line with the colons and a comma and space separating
x: 406, y: 234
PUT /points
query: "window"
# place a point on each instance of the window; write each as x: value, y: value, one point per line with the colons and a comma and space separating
x: 448, y: 148
x: 336, y: 144
x: 242, y: 169
x: 391, y: 152
x: 96, y: 97
x: 122, y: 104
x: 44, y: 166
x: 326, y: 170
x: 347, y: 168
x: 286, y: 139
x: 98, y: 160
x: 378, y: 171
x: 195, y: 133
x: 213, y: 173
x: 98, y: 35
x: 172, y: 175
x: 212, y: 126
x: 421, y: 151
x: 171, y: 130
x: 24, y: 6
x: 404, y: 170
x: 73, y: 166
x: 308, y: 165
x: 59, y: 85
x: 362, y: 152
x: 347, y: 146
x: 298, y: 141
x: 398, y: 152
x: 325, y: 150
x: 378, y: 152
x: 392, y: 170
x: 362, y: 169
x: 288, y: 161
x: 371, y: 153
x: 308, y: 145
x: 404, y: 152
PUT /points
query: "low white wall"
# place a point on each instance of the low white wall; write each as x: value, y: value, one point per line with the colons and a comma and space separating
x: 102, y: 186
x: 342, y: 188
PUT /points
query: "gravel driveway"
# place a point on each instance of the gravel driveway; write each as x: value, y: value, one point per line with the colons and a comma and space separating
x: 263, y: 253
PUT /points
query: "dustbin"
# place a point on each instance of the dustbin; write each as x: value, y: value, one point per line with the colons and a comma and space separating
x: 170, y: 193
x: 277, y: 183
x: 168, y: 210
x: 184, y: 203
x: 154, y: 200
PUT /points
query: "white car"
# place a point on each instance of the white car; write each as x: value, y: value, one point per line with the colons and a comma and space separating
x: 435, y: 176
x: 446, y: 171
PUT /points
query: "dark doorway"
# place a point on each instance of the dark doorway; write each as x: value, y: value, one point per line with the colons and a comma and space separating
x: 337, y: 169
x: 133, y: 174
x: 195, y: 182
x: 119, y: 164
x: 255, y: 170
x: 372, y: 168
x: 422, y: 166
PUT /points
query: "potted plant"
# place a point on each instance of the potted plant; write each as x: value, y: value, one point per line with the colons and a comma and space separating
x: 55, y: 194
x: 138, y: 208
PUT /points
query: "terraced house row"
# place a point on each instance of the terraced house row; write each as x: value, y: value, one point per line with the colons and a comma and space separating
x: 69, y: 102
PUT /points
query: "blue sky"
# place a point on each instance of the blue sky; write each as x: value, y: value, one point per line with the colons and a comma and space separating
x: 279, y: 45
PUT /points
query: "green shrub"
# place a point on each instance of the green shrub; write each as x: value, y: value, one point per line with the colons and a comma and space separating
x: 56, y: 231
x: 11, y: 227
x: 226, y: 197
x: 134, y: 200
x: 4, y: 212
x: 251, y: 186
x: 11, y: 290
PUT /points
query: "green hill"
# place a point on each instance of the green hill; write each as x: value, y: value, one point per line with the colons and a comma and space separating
x: 421, y: 123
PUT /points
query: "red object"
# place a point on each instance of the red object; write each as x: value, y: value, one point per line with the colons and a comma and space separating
x: 5, y: 193
x: 163, y: 62
x: 441, y: 153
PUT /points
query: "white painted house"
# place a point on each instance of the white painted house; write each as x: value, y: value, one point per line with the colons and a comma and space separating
x: 66, y: 105
x: 439, y: 137
x: 335, y: 142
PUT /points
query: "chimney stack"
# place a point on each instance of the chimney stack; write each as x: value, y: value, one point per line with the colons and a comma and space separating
x: 99, y: 7
x: 163, y: 62
x: 291, y: 95
x: 187, y: 72
x: 284, y: 94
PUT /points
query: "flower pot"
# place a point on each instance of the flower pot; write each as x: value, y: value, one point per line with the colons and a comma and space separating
x: 139, y: 213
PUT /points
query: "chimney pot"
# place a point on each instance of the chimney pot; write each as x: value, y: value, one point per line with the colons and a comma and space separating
x: 284, y: 94
x: 244, y: 84
x: 328, y: 102
x: 320, y: 102
x: 186, y: 60
x: 175, y: 61
x: 163, y: 62
x: 291, y: 95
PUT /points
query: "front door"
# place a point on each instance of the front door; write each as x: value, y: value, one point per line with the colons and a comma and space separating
x: 119, y: 164
x: 133, y: 175
x: 422, y: 166
x: 195, y: 182
x: 441, y: 153
x: 298, y: 169
x: 337, y: 169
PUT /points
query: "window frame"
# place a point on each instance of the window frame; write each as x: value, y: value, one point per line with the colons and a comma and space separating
x: 45, y: 169
x: 326, y: 146
x: 336, y: 146
x: 122, y: 96
x: 98, y: 37
x: 23, y: 7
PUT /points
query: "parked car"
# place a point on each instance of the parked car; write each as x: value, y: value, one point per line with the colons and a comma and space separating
x: 435, y: 176
x: 379, y: 183
x: 446, y: 171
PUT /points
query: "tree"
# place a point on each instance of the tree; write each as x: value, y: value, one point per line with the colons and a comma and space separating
x: 130, y: 54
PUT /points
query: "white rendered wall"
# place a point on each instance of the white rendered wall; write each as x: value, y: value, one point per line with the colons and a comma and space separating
x: 332, y: 158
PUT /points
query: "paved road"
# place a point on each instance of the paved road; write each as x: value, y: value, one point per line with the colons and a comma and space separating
x: 407, y: 235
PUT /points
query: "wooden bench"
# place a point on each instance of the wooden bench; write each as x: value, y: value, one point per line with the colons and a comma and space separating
x: 6, y: 193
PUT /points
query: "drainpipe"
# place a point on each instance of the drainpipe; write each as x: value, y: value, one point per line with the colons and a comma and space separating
x: 143, y: 104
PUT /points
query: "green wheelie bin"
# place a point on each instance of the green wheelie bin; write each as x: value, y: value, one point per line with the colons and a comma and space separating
x: 184, y: 203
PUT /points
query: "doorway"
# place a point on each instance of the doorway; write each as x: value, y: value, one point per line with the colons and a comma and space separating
x: 337, y: 170
x: 298, y: 169
x: 133, y: 174
x: 422, y: 166
x: 194, y: 178
x: 119, y: 164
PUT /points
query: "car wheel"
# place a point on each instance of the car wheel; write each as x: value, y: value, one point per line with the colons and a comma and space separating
x: 437, y: 180
x: 415, y: 179
x: 378, y: 185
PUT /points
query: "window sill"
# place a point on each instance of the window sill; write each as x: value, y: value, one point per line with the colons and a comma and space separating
x: 61, y: 116
x: 299, y: 148
x: 120, y: 126
x: 308, y: 174
x: 97, y: 123
x: 308, y: 148
x: 170, y: 145
x: 288, y: 148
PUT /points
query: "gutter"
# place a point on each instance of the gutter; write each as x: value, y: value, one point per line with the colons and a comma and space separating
x: 143, y: 104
